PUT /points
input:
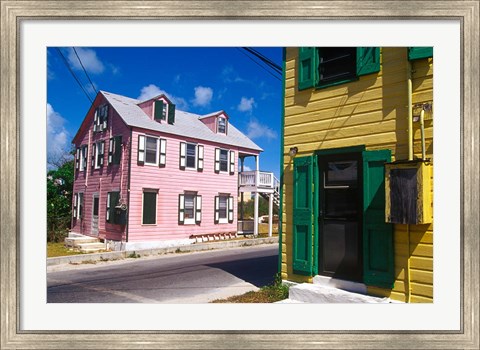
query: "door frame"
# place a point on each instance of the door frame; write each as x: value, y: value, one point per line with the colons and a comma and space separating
x: 95, y: 195
x: 316, y: 195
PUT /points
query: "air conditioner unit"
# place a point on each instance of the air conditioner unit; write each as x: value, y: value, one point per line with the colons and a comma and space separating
x: 408, y: 192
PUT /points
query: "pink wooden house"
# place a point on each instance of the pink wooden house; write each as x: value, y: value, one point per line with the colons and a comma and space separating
x: 148, y: 175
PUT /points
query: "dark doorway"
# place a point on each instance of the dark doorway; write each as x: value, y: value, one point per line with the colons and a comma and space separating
x: 340, y: 215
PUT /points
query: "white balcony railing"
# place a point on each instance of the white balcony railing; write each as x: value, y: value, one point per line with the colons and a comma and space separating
x: 257, y: 179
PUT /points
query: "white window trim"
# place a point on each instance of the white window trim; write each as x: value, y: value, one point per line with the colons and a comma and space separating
x: 223, y: 220
x: 191, y: 221
x: 218, y: 125
x: 150, y: 190
x: 157, y: 152
x: 186, y: 156
x: 98, y: 145
x: 220, y: 161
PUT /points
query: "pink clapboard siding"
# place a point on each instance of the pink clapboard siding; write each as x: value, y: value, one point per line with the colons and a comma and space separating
x: 170, y: 181
x: 100, y: 181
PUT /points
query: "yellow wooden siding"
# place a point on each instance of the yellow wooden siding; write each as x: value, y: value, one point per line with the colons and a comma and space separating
x: 372, y: 112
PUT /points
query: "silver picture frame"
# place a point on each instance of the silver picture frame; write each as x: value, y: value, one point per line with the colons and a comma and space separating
x: 14, y: 12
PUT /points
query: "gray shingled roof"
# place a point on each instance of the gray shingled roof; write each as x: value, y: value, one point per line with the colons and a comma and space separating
x: 186, y: 124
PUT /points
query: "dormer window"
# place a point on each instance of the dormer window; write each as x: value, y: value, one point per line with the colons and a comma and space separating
x: 222, y: 125
x: 164, y: 111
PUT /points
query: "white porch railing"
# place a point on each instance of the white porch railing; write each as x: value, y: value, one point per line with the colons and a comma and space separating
x: 257, y: 179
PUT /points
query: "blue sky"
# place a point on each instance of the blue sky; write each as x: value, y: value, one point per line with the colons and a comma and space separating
x: 197, y: 80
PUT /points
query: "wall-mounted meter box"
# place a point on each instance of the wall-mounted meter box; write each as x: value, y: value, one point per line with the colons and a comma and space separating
x: 408, y: 192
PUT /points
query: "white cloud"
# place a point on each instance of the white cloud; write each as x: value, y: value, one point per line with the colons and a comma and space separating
x: 229, y: 75
x: 256, y: 130
x: 203, y: 96
x: 89, y: 60
x: 152, y: 90
x: 58, y: 138
x: 246, y: 104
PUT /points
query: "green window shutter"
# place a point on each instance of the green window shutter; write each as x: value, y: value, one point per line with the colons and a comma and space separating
x: 416, y: 53
x: 302, y: 215
x: 113, y: 202
x: 171, y: 114
x: 307, y: 67
x: 378, y: 264
x: 158, y: 115
x: 117, y: 149
x: 368, y: 60
x: 149, y: 208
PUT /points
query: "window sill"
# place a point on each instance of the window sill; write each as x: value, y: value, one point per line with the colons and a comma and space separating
x: 149, y: 224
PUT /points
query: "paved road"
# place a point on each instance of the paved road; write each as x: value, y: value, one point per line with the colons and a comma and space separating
x: 178, y: 278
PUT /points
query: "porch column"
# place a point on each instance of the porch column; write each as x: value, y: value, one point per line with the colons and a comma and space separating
x: 270, y: 214
x: 255, y: 210
x: 242, y: 159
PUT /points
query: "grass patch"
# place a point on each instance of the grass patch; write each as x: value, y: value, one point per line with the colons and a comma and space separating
x: 58, y: 249
x: 268, y: 294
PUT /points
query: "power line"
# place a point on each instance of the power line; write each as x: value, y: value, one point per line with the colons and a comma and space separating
x: 79, y: 60
x: 257, y: 63
x: 73, y: 74
x: 264, y: 59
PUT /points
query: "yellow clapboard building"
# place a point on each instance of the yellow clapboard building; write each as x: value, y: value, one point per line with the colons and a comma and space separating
x: 357, y: 169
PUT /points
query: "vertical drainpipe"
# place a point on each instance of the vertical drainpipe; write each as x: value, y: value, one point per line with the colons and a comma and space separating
x: 410, y: 157
x: 128, y: 184
x: 282, y: 142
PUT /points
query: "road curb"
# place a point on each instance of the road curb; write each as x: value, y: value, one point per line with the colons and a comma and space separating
x: 196, y: 247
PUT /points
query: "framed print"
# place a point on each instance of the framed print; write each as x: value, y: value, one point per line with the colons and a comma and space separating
x: 449, y: 320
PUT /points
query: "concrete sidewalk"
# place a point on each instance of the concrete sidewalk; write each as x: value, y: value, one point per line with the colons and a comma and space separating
x: 196, y: 247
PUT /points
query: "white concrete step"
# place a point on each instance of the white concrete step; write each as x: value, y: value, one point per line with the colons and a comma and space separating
x: 314, y: 293
x: 91, y: 246
x: 75, y: 241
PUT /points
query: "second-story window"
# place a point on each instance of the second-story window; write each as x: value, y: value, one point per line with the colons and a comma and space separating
x: 151, y: 148
x: 191, y: 155
x: 97, y: 154
x: 222, y: 125
x: 223, y: 160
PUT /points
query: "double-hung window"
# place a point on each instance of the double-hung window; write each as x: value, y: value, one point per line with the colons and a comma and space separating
x: 189, y: 208
x: 100, y: 118
x: 325, y: 66
x: 164, y: 111
x: 222, y: 125
x: 152, y: 150
x: 223, y: 209
x: 224, y: 161
x: 78, y: 205
x: 97, y: 154
x: 191, y: 156
x: 81, y: 158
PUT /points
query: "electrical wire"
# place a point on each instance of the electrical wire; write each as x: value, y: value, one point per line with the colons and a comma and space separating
x: 257, y: 63
x: 84, y: 70
x: 73, y: 74
x: 264, y: 59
